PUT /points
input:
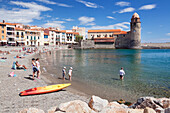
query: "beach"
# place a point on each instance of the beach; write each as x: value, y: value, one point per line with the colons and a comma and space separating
x: 10, y: 87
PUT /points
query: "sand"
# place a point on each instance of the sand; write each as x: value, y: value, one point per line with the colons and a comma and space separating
x: 10, y: 87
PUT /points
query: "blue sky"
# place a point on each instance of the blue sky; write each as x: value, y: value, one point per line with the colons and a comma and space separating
x: 92, y: 14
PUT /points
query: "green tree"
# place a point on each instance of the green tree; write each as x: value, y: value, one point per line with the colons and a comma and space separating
x: 78, y: 38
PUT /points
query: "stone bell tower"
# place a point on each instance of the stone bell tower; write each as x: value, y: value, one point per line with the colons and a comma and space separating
x: 135, y: 28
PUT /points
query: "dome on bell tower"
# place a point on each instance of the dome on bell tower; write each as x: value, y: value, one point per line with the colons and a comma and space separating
x: 135, y: 15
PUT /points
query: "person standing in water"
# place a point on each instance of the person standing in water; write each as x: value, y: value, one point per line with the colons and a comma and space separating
x: 122, y: 73
x: 70, y: 73
x: 64, y: 73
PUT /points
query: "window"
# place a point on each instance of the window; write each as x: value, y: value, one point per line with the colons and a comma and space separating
x: 22, y: 33
x: 27, y: 37
x: 2, y: 36
x: 2, y: 31
x: 2, y: 26
x: 31, y: 37
x: 38, y: 37
x: 34, y: 38
x: 17, y: 33
x: 17, y: 37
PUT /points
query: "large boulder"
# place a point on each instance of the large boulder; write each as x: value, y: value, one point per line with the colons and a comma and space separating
x: 163, y: 102
x: 149, y: 110
x: 76, y: 106
x: 151, y: 102
x: 54, y: 110
x: 97, y: 104
x: 135, y: 110
x: 114, y: 110
x: 32, y: 110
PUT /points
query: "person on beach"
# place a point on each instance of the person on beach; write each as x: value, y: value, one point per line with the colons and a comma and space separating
x: 34, y: 68
x: 70, y: 73
x: 64, y: 73
x: 20, y: 66
x: 122, y: 73
x: 38, y: 67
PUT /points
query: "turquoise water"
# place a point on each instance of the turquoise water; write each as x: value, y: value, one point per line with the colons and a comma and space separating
x: 147, y: 71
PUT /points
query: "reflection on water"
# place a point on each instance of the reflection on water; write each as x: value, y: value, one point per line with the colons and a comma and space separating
x: 147, y: 71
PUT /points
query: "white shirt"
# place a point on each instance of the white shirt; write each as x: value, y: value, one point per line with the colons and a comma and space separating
x: 122, y: 72
x: 70, y: 72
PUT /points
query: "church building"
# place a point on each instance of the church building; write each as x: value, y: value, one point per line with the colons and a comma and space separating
x: 116, y: 38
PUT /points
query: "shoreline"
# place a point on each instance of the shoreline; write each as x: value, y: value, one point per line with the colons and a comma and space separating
x: 53, y: 75
x: 10, y: 87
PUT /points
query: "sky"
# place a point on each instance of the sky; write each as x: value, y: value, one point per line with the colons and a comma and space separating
x: 92, y: 14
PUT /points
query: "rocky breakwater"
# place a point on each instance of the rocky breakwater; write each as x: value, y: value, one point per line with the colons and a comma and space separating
x: 99, y: 105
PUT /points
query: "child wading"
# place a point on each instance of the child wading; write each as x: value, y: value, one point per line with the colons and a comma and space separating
x: 70, y: 73
x: 64, y: 73
x: 122, y: 73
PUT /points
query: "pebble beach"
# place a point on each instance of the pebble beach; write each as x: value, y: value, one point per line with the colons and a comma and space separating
x: 10, y: 87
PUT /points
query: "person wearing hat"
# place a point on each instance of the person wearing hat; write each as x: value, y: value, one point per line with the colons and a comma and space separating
x: 64, y: 73
x: 70, y: 73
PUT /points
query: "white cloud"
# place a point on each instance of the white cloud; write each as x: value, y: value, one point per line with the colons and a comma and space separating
x: 46, y: 1
x: 122, y: 3
x: 123, y: 26
x: 57, y: 24
x: 129, y: 9
x: 110, y: 17
x: 63, y: 5
x: 51, y: 2
x: 168, y: 34
x: 48, y: 16
x: 86, y: 20
x: 68, y: 19
x: 148, y: 7
x: 89, y: 4
x: 25, y: 15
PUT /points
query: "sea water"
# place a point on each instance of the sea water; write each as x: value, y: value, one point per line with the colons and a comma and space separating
x: 147, y: 71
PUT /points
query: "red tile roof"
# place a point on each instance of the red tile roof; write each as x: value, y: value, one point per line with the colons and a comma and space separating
x: 104, y: 31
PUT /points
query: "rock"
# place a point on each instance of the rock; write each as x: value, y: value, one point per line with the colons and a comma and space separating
x: 114, y: 110
x: 159, y: 110
x: 32, y: 110
x: 76, y: 106
x: 53, y: 109
x: 135, y: 110
x: 163, y: 102
x: 167, y: 110
x: 114, y: 105
x: 97, y: 104
x: 149, y: 110
x: 150, y: 102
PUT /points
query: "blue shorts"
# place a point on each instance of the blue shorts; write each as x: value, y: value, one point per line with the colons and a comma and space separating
x: 35, y: 69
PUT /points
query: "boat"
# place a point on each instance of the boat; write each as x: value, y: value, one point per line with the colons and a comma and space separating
x: 45, y: 89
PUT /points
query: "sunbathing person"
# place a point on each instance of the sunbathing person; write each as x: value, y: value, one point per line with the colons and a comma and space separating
x: 19, y: 56
x: 20, y: 66
x: 3, y: 57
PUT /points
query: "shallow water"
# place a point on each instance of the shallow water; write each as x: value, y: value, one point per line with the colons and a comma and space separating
x: 97, y: 71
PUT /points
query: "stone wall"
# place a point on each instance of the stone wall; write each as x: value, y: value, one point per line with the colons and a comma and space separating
x: 87, y: 44
x: 104, y: 46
